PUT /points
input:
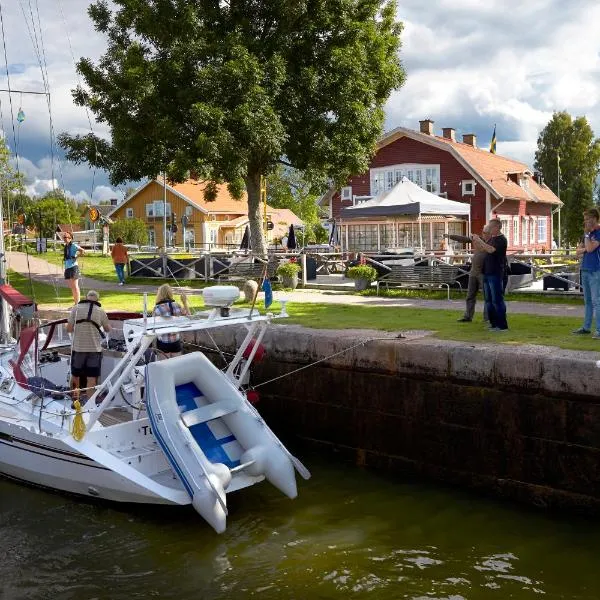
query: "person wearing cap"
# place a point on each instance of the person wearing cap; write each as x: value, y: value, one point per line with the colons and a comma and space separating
x: 88, y: 323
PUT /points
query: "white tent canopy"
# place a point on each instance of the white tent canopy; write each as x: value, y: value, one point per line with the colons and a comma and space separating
x: 406, y: 198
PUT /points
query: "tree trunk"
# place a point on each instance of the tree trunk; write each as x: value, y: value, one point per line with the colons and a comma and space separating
x: 256, y: 214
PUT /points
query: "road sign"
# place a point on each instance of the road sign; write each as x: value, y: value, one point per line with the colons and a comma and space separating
x: 94, y: 214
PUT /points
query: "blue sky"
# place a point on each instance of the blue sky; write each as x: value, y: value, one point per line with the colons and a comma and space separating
x: 470, y: 64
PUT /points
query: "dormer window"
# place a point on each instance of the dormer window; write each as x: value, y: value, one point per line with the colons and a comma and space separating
x: 468, y: 187
x: 524, y: 182
x: 346, y: 194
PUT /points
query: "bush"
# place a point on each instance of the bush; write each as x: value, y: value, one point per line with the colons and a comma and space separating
x: 362, y: 272
x: 288, y: 269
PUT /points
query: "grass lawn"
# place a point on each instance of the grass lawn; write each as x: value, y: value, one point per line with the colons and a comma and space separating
x: 525, y: 329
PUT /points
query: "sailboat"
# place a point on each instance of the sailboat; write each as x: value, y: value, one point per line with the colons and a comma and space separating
x: 176, y: 431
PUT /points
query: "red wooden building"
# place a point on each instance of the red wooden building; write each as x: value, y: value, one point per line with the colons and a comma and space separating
x: 494, y: 186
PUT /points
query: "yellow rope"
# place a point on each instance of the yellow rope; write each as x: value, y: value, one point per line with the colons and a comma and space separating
x: 78, y: 428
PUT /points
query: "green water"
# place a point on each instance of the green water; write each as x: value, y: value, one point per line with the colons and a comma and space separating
x: 350, y: 534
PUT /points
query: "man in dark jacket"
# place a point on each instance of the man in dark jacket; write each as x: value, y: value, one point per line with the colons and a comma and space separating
x: 494, y: 267
x: 475, y: 275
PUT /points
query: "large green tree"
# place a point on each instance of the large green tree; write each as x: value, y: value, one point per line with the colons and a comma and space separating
x: 228, y: 90
x: 131, y: 231
x: 573, y: 141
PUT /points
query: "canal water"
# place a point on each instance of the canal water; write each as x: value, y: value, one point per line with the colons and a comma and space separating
x: 350, y: 534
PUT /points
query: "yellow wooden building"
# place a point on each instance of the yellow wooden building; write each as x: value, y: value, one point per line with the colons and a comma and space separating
x: 209, y: 225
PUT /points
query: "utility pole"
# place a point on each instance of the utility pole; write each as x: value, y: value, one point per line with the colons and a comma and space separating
x: 558, y: 194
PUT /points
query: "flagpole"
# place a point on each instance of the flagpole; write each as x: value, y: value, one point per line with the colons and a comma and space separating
x: 558, y: 194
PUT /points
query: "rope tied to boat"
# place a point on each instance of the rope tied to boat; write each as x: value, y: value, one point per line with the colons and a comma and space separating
x: 325, y: 358
x: 78, y: 427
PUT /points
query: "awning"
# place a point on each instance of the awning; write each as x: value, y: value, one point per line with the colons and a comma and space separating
x: 13, y: 297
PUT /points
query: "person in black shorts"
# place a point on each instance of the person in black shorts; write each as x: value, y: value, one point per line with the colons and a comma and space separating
x: 70, y: 253
x: 88, y: 323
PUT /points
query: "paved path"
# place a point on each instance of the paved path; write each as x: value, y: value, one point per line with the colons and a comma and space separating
x: 46, y: 272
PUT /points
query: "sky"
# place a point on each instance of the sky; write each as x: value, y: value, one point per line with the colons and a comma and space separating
x: 470, y: 64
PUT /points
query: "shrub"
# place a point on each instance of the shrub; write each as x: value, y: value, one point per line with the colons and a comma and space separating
x: 288, y: 269
x: 362, y: 272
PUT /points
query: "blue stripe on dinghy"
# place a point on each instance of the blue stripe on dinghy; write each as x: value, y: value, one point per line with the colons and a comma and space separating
x: 211, y: 446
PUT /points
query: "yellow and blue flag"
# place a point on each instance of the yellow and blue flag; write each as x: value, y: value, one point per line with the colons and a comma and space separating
x: 268, y: 290
x: 493, y: 142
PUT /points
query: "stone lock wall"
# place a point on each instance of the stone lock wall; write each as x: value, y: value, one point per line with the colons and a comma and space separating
x: 518, y: 422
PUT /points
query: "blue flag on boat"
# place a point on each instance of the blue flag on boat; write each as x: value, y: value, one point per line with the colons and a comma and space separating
x: 268, y: 290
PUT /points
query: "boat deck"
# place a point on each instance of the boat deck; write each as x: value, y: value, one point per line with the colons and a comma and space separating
x: 114, y: 416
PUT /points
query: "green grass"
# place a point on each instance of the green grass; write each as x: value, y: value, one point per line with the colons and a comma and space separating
x: 524, y: 328
x: 425, y: 294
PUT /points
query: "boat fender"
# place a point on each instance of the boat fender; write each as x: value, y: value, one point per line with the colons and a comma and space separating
x: 257, y: 455
x: 260, y: 351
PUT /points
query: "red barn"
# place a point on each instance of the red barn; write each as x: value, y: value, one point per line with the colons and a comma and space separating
x: 494, y: 186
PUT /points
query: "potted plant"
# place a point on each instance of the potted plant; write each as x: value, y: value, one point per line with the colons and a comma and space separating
x: 363, y: 275
x: 288, y: 271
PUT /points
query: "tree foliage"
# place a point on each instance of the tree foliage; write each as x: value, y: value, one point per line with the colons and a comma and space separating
x: 290, y: 188
x: 52, y: 209
x: 131, y: 231
x: 573, y: 140
x: 227, y: 90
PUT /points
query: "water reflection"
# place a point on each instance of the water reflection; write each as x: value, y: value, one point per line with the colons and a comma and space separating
x: 350, y: 534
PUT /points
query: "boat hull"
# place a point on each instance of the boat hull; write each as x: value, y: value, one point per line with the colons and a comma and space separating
x: 49, y: 462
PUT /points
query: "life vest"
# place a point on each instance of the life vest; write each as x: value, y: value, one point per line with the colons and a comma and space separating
x: 68, y: 252
x: 89, y: 319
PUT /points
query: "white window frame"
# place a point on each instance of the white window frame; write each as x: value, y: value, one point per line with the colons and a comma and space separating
x: 424, y: 175
x: 468, y: 187
x: 189, y: 210
x: 157, y: 209
x: 150, y: 209
x: 129, y: 213
x: 515, y: 231
x: 505, y: 226
x: 542, y: 226
x: 360, y: 199
x: 346, y: 194
x: 524, y: 231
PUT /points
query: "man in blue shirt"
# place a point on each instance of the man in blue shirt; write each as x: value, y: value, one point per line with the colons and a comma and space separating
x: 590, y: 271
x: 494, y: 266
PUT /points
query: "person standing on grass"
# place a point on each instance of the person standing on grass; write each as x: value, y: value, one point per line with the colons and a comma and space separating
x: 120, y: 258
x: 494, y: 267
x: 70, y: 253
x: 475, y: 275
x: 589, y: 251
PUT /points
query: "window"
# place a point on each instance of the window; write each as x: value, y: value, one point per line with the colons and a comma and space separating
x: 155, y: 209
x: 151, y: 237
x: 360, y: 199
x: 532, y: 230
x: 468, y: 187
x: 524, y: 231
x: 347, y: 194
x: 515, y: 231
x: 362, y: 237
x: 189, y: 210
x: 425, y: 176
x: 541, y: 227
x: 129, y: 213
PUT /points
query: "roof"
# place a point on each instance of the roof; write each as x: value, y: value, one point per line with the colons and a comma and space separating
x: 406, y: 198
x: 193, y: 193
x: 490, y: 170
x: 63, y: 227
x: 103, y: 209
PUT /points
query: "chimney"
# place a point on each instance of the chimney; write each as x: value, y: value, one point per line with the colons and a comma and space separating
x: 114, y: 201
x: 470, y: 139
x: 449, y: 133
x: 426, y: 126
